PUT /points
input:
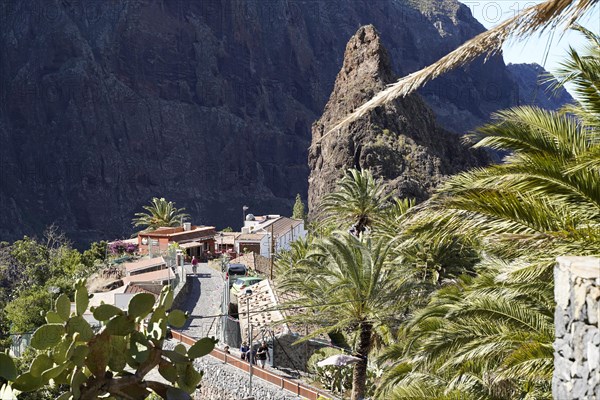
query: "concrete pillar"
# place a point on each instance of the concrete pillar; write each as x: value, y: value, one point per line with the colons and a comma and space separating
x: 577, y: 338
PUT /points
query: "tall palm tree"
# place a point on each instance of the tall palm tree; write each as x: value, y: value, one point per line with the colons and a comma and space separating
x: 491, y: 337
x: 358, y: 202
x: 349, y: 284
x: 159, y: 213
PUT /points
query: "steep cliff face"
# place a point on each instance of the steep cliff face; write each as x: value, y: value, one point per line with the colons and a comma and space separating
x: 104, y: 104
x: 535, y: 89
x: 399, y: 142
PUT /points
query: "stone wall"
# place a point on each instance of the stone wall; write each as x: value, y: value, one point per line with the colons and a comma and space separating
x: 225, y: 382
x: 290, y: 356
x: 222, y: 381
x: 180, y: 298
x: 577, y: 342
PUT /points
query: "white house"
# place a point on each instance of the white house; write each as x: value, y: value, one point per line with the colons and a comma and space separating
x: 284, y: 231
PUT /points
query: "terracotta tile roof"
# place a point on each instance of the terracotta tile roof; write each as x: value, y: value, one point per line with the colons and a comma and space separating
x: 143, y: 263
x: 178, y: 231
x: 280, y: 226
x: 154, y: 276
x: 143, y: 288
x: 251, y: 236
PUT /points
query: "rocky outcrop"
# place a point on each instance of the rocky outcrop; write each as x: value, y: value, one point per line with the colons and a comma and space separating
x: 534, y: 88
x: 399, y: 142
x: 105, y: 104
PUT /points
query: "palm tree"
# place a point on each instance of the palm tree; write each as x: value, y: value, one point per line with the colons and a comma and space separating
x: 159, y: 213
x: 358, y: 202
x: 350, y: 285
x: 479, y: 339
x: 491, y: 336
x: 547, y: 191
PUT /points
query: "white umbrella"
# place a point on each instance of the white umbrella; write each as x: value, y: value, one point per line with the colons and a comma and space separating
x: 338, y: 360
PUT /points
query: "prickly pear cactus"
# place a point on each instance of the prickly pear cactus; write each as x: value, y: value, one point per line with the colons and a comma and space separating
x: 113, y: 361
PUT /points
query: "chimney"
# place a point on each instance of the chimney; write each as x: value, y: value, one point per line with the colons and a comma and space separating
x: 187, y: 226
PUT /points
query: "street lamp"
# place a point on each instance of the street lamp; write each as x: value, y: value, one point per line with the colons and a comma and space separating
x: 244, y: 209
x: 221, y: 236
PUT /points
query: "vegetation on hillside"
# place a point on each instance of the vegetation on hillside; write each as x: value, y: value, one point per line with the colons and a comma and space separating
x: 33, y: 271
x: 110, y: 362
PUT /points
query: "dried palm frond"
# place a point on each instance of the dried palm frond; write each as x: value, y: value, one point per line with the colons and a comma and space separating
x: 538, y: 18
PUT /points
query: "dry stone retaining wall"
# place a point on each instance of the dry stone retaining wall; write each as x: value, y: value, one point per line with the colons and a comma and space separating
x: 577, y: 342
x: 225, y: 382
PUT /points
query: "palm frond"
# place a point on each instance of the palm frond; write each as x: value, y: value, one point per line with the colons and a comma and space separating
x: 537, y: 18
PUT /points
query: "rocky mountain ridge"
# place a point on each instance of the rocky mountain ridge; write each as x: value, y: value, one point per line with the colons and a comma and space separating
x: 534, y: 87
x: 399, y: 142
x: 105, y: 104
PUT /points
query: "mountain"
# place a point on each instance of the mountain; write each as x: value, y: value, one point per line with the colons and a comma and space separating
x: 399, y: 142
x: 105, y: 104
x: 535, y: 89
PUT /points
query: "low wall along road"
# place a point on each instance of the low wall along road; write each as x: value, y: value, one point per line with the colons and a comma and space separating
x: 226, y: 377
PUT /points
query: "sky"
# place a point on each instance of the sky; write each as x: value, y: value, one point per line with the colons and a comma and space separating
x: 490, y: 13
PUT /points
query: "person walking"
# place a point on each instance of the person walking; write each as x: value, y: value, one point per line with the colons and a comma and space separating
x: 262, y: 355
x: 194, y: 265
x: 243, y: 350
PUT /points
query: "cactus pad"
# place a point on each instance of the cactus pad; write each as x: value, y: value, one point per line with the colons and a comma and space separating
x: 7, y: 367
x: 140, y: 305
x: 52, y: 317
x: 63, y: 306
x: 27, y: 382
x: 202, y: 347
x: 80, y: 325
x: 105, y: 311
x: 177, y: 318
x: 81, y: 300
x: 40, y: 364
x: 120, y: 325
x: 47, y: 336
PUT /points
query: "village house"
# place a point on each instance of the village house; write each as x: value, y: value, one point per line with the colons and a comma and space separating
x: 269, y: 234
x: 195, y: 240
x: 225, y: 243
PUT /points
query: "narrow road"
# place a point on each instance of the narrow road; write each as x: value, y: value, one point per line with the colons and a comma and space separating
x: 203, y: 302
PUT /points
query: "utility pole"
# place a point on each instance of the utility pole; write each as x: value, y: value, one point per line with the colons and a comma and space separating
x: 272, y: 249
x: 251, y: 361
x: 248, y: 294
